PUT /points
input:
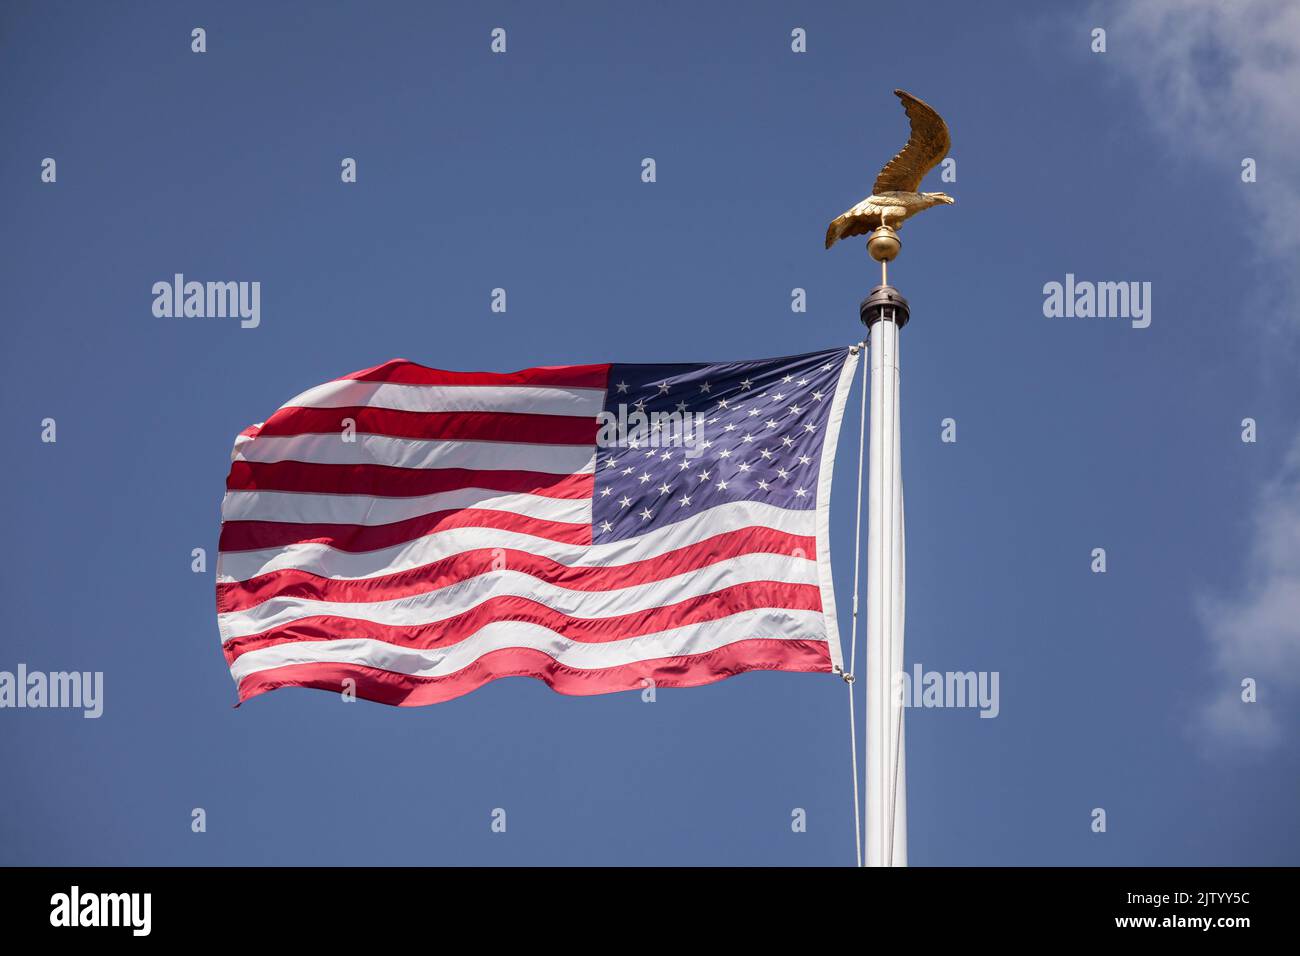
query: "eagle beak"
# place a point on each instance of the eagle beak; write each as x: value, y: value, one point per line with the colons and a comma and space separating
x: 949, y: 200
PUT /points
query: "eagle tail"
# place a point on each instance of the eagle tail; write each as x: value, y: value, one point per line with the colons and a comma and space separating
x: 833, y: 232
x: 846, y: 226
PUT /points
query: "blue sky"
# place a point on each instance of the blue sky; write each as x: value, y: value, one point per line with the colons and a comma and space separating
x: 522, y: 171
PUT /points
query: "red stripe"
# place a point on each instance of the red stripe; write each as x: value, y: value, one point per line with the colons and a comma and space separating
x: 386, y: 481
x: 696, y: 610
x: 404, y: 372
x: 470, y: 426
x: 256, y: 535
x: 403, y: 690
x: 238, y: 595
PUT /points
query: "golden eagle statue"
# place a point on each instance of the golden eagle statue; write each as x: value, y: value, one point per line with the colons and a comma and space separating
x: 894, y: 197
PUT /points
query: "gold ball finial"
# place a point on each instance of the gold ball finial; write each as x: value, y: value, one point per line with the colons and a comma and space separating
x: 883, y: 244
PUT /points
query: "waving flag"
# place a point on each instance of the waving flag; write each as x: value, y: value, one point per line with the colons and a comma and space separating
x: 411, y: 534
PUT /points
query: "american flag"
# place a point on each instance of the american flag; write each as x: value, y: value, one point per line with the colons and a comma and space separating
x: 409, y: 534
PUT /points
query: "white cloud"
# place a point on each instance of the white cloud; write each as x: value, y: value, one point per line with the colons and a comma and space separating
x: 1221, y: 78
x: 1256, y: 633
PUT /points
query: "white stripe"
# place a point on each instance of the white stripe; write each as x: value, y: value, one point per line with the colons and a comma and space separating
x: 241, y: 440
x: 525, y: 399
x: 447, y: 602
x: 322, y: 560
x: 366, y: 510
x: 420, y: 453
x: 438, y: 662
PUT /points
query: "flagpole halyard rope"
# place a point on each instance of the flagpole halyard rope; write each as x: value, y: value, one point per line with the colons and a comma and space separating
x: 853, y: 637
x: 898, y: 727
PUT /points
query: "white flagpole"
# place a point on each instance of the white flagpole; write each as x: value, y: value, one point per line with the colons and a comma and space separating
x: 885, y: 312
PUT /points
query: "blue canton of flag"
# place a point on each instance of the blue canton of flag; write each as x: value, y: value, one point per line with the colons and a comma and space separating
x: 695, y: 436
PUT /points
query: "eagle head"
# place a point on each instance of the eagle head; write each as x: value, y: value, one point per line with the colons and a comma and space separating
x: 936, y: 199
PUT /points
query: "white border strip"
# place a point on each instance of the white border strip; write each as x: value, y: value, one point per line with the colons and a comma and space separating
x: 824, y: 476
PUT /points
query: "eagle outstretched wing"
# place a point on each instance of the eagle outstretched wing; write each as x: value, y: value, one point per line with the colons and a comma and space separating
x: 927, y: 145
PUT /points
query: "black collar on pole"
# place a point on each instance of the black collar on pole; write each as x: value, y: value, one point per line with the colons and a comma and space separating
x: 884, y: 302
